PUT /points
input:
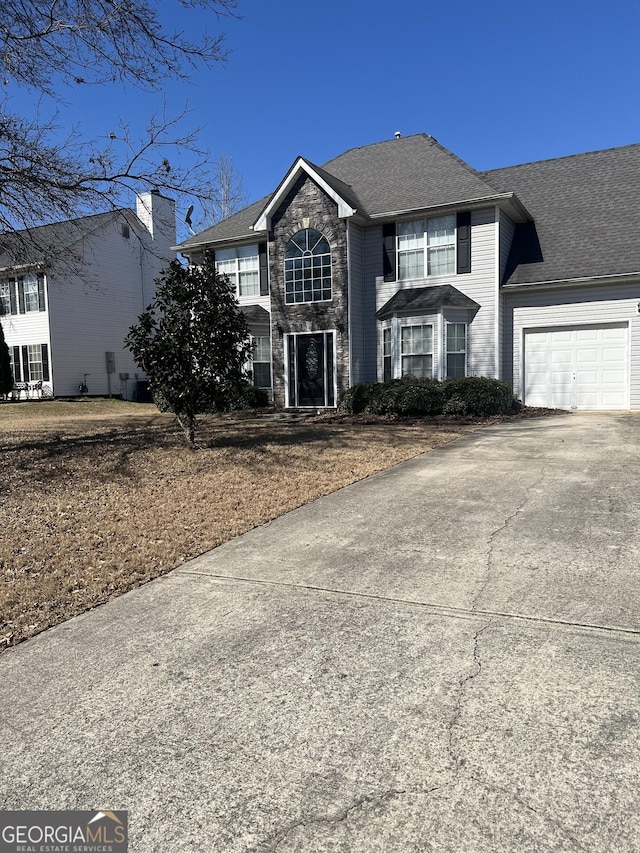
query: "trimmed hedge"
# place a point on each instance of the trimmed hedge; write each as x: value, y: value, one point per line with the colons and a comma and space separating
x: 471, y: 395
x: 480, y: 395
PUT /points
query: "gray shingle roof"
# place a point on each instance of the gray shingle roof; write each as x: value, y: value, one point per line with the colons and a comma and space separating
x: 424, y: 299
x: 235, y: 227
x: 410, y: 173
x: 586, y: 211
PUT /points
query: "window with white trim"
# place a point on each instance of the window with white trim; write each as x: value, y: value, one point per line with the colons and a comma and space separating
x: 241, y: 265
x: 456, y: 350
x: 5, y: 297
x: 13, y: 352
x: 35, y: 362
x: 307, y: 267
x: 416, y: 351
x: 426, y: 247
x: 261, y: 361
x: 31, y: 295
x: 22, y: 295
x: 387, y: 368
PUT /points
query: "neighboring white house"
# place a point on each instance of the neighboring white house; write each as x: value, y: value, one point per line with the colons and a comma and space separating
x: 399, y: 258
x: 70, y: 291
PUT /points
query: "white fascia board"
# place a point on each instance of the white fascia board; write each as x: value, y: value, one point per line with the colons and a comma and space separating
x: 586, y: 281
x: 516, y: 209
x: 33, y: 265
x: 264, y: 221
x: 243, y: 239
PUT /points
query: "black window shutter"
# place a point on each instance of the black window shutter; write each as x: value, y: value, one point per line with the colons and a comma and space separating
x: 25, y: 364
x: 389, y: 251
x: 17, y: 373
x: 264, y: 272
x: 21, y: 295
x: 12, y: 299
x: 464, y: 242
x: 45, y: 362
x: 41, y: 306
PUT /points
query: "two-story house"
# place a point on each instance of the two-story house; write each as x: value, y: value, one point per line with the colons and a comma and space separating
x: 70, y: 291
x: 399, y: 258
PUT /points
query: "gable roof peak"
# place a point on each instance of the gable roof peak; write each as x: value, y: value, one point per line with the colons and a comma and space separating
x: 336, y: 189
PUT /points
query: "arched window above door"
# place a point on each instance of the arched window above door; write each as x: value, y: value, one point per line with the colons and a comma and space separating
x: 307, y: 267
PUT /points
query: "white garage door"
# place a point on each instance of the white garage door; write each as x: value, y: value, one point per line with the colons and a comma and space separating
x: 577, y: 367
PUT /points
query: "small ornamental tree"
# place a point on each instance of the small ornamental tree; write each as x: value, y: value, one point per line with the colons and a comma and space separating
x: 6, y: 377
x: 193, y: 343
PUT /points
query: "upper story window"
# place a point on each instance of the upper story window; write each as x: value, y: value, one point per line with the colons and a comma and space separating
x: 5, y: 297
x: 307, y: 267
x: 437, y: 245
x: 426, y: 247
x: 242, y: 266
x: 22, y: 295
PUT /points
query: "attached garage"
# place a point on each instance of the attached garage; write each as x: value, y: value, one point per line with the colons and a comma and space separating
x: 577, y: 367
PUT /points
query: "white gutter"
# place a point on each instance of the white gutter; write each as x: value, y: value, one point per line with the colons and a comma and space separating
x: 619, y: 278
x: 472, y: 203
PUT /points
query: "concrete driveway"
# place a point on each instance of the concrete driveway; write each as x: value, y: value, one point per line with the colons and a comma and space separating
x: 444, y: 657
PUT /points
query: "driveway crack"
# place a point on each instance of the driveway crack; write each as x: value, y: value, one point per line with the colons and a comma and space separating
x: 341, y: 816
x: 495, y: 533
x: 454, y: 752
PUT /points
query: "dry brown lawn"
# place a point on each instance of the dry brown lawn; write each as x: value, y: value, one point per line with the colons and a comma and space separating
x: 99, y: 497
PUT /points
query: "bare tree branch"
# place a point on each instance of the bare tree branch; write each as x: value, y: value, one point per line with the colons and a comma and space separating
x: 47, y: 47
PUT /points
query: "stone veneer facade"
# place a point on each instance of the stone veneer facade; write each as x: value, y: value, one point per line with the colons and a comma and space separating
x: 307, y: 206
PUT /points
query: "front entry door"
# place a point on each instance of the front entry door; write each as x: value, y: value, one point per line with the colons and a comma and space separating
x: 311, y: 369
x: 311, y: 374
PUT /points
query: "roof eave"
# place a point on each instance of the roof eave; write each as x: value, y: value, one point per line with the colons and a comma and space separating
x: 582, y: 281
x: 32, y: 265
x: 250, y: 237
x: 508, y: 201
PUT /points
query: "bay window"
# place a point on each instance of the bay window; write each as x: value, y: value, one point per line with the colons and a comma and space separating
x: 261, y: 362
x: 456, y: 350
x: 416, y: 351
x: 387, y: 369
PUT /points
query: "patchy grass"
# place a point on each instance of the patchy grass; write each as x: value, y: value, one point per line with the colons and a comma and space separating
x: 99, y: 497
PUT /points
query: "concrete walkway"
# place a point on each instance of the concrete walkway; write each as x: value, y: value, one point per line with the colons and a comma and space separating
x: 444, y: 657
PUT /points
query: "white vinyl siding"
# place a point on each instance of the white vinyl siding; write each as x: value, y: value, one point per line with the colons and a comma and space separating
x: 91, y: 310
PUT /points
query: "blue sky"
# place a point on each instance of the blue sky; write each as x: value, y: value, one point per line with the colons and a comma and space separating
x: 496, y: 82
